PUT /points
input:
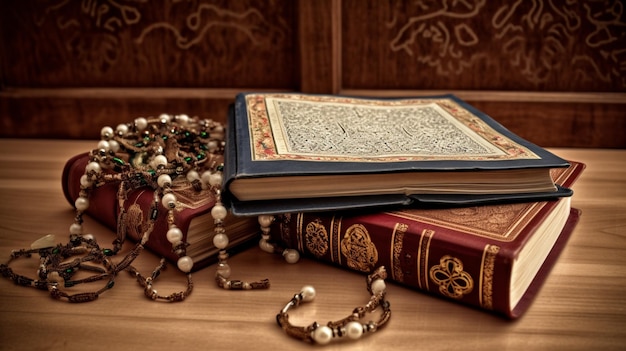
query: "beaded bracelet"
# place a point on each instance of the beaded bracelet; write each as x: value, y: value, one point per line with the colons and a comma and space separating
x: 350, y: 326
x: 58, y: 273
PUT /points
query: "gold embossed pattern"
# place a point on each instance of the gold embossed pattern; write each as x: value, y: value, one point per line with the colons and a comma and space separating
x: 357, y: 246
x: 452, y: 280
x: 316, y: 238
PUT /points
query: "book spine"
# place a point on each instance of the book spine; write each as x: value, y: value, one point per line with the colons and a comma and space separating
x: 230, y: 156
x: 420, y: 256
x: 104, y: 207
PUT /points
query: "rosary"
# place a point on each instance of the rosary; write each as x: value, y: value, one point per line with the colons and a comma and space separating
x: 153, y: 152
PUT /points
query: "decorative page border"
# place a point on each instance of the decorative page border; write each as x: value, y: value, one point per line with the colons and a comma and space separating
x: 267, y: 144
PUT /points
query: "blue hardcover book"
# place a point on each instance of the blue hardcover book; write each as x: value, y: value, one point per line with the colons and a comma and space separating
x: 288, y: 152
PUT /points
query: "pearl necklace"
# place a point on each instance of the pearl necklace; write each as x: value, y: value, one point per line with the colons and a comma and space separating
x: 149, y: 152
x: 173, y: 146
x: 349, y: 327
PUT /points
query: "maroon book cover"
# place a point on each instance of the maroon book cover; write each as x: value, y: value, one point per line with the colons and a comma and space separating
x: 192, y: 206
x: 478, y: 255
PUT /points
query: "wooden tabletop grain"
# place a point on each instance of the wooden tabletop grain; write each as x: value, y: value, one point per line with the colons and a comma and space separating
x: 582, y: 305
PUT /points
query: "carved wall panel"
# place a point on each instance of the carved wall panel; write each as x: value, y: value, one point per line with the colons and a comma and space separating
x: 528, y: 45
x: 68, y: 67
x: 140, y: 43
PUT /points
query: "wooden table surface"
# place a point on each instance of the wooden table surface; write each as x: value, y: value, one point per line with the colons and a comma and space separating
x: 581, y: 306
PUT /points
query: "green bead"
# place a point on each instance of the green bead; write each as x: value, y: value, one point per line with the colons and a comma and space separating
x: 118, y: 161
x: 107, y: 252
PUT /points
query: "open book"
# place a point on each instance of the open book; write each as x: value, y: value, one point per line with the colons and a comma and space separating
x: 296, y: 152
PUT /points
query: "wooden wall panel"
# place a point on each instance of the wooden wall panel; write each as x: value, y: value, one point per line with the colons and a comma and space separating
x: 320, y: 46
x: 507, y: 53
x: 67, y: 68
x: 81, y: 116
x: 526, y: 45
x: 217, y: 44
x: 561, y: 124
x: 553, y: 72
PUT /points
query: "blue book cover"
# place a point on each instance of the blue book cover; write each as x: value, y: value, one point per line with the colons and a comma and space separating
x: 302, y: 152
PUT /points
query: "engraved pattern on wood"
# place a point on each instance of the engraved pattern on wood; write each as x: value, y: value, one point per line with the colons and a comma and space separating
x: 518, y: 45
x: 146, y: 44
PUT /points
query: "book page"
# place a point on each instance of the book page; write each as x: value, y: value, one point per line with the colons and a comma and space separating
x: 326, y: 128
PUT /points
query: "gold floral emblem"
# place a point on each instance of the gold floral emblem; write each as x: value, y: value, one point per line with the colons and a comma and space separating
x: 316, y: 238
x: 358, y: 248
x: 453, y: 281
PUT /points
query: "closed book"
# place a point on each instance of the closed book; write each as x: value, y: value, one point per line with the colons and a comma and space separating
x: 493, y: 257
x: 289, y: 152
x: 193, y: 216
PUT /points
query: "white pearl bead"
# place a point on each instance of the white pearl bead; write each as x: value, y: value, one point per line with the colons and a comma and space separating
x: 84, y: 181
x: 354, y: 330
x: 76, y: 228
x: 89, y: 237
x: 378, y: 286
x: 212, y: 145
x: 219, y: 211
x: 322, y: 335
x: 55, y: 277
x: 114, y: 145
x: 206, y: 175
x: 220, y: 241
x: 106, y: 133
x: 265, y: 220
x: 164, y: 118
x: 121, y: 129
x: 215, y: 179
x: 174, y: 235
x: 163, y: 180
x: 192, y: 175
x: 169, y: 200
x: 81, y: 203
x: 141, y: 123
x: 93, y: 166
x: 291, y: 255
x: 182, y: 119
x: 104, y: 145
x: 185, y: 264
x: 223, y: 269
x: 159, y: 160
x: 308, y: 293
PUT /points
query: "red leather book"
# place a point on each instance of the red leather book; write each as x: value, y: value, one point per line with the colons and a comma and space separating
x: 193, y: 216
x: 493, y: 257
